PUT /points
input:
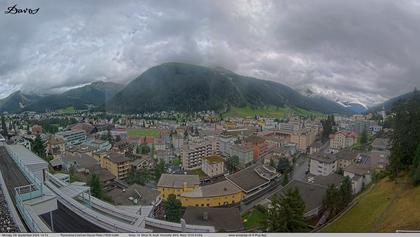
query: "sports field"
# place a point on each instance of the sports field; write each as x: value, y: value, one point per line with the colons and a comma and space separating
x: 140, y: 132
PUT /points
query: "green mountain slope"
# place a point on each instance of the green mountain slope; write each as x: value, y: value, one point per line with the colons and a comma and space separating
x: 96, y: 94
x: 185, y: 87
x: 17, y: 101
x: 391, y: 102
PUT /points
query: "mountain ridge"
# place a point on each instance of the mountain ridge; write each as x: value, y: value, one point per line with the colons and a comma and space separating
x: 187, y: 87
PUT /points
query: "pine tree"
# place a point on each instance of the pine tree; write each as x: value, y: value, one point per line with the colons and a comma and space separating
x: 415, y: 172
x: 38, y: 147
x: 172, y: 208
x: 286, y: 214
x: 232, y: 163
x: 346, y: 193
x: 363, y: 137
x: 95, y: 185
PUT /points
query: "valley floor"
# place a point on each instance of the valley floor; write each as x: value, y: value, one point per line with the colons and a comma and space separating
x: 385, y: 207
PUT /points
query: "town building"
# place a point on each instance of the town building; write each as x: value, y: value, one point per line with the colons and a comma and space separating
x: 56, y: 146
x: 253, y: 179
x: 224, y: 219
x: 214, y: 195
x: 322, y: 164
x: 72, y: 137
x: 245, y: 155
x: 176, y: 184
x: 192, y: 154
x: 258, y: 145
x: 213, y: 165
x: 117, y: 164
x: 99, y: 145
x: 342, y: 139
x: 360, y: 175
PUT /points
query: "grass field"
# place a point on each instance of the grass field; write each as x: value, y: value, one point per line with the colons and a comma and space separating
x: 252, y: 219
x: 268, y: 111
x: 68, y: 110
x: 386, y: 207
x: 137, y: 132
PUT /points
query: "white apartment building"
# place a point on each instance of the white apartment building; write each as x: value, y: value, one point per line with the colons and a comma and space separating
x: 192, y: 154
x: 225, y: 144
x: 72, y: 137
x: 322, y: 164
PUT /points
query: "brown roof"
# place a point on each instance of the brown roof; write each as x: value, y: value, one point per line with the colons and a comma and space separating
x: 223, y: 219
x: 248, y: 179
x: 222, y: 188
x: 178, y: 180
x: 254, y: 139
x: 117, y: 157
x: 358, y: 169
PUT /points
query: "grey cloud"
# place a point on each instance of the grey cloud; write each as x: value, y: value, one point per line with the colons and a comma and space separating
x: 362, y: 50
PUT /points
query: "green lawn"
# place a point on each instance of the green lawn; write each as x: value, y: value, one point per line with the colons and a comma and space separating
x: 138, y: 132
x: 386, y: 207
x: 268, y: 111
x: 252, y: 219
x: 68, y: 110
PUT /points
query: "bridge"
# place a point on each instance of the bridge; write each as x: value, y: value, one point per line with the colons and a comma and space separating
x: 46, y: 203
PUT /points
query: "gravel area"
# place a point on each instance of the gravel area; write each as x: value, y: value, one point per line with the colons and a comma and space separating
x: 6, y: 221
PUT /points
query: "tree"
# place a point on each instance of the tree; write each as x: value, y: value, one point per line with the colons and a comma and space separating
x: 232, y: 163
x: 285, y: 179
x: 283, y: 166
x: 286, y: 214
x: 95, y: 186
x: 144, y: 149
x: 38, y: 147
x: 406, y: 134
x: 4, y: 127
x: 337, y: 199
x: 415, y: 171
x: 331, y: 199
x: 327, y: 127
x: 138, y: 176
x: 363, y: 137
x: 172, y: 208
x: 117, y: 138
x: 346, y: 192
x: 159, y: 170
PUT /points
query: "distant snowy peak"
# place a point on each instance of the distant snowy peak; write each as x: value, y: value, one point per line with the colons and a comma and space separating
x: 354, y: 106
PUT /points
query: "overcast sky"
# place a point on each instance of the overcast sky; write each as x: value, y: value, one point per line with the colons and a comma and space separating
x: 358, y: 50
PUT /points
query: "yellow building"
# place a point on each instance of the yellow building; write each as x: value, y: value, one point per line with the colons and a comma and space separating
x: 213, y: 195
x: 176, y: 184
x: 213, y: 165
x: 115, y: 163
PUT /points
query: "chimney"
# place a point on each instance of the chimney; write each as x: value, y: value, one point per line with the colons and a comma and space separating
x: 205, y: 216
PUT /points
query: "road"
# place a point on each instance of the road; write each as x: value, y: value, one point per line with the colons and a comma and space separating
x: 67, y: 221
x: 300, y: 168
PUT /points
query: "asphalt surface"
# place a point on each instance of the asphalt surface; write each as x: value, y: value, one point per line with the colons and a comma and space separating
x: 300, y: 168
x: 66, y: 221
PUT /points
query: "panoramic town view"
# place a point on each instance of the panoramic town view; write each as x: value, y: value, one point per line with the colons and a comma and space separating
x: 210, y: 116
